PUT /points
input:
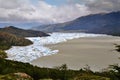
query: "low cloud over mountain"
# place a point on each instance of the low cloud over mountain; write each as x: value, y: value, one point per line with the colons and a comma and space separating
x: 45, y: 12
x: 105, y: 23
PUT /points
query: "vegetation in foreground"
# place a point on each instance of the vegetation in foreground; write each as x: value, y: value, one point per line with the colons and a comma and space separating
x: 8, y: 68
x: 15, y: 76
x: 60, y: 73
x: 3, y: 54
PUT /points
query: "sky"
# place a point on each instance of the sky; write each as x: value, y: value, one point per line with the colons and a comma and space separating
x: 52, y: 11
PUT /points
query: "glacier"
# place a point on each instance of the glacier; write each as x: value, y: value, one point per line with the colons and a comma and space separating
x: 38, y: 48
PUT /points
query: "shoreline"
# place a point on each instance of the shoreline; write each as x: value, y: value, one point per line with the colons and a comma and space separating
x: 38, y: 49
x: 97, y: 52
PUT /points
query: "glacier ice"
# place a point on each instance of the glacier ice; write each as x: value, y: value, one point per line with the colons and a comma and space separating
x: 37, y: 49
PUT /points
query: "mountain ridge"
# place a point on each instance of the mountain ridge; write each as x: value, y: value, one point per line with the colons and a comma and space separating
x: 23, y: 33
x: 103, y: 23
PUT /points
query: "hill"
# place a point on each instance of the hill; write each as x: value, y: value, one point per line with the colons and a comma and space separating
x: 7, y: 40
x: 104, y: 23
x: 22, y: 33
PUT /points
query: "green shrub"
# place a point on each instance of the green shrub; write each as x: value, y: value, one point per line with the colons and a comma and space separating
x: 3, y: 54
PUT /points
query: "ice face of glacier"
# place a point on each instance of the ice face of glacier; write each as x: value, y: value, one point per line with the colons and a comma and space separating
x: 37, y: 49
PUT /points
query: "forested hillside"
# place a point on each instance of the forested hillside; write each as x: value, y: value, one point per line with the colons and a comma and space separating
x: 7, y: 40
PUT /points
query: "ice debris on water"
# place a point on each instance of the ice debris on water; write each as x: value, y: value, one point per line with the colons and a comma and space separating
x: 38, y: 48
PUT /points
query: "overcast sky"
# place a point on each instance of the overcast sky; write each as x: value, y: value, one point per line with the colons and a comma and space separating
x: 52, y: 11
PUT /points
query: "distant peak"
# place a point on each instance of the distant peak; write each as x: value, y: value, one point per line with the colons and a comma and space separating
x: 11, y: 27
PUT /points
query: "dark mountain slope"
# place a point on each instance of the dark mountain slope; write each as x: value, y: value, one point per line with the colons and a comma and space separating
x: 98, y: 23
x: 106, y: 23
x: 22, y: 33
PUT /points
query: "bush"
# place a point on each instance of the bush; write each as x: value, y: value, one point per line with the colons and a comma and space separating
x: 3, y: 54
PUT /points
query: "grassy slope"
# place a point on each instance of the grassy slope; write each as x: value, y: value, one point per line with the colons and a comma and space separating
x: 61, y: 73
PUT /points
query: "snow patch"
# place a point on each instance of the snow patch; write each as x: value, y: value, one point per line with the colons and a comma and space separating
x: 37, y: 49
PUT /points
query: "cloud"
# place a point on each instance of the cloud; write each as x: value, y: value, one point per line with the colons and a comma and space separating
x: 10, y: 4
x: 21, y: 10
x: 26, y: 11
x: 97, y: 6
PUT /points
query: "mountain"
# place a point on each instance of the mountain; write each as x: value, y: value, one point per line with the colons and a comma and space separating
x: 23, y: 33
x: 104, y: 23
